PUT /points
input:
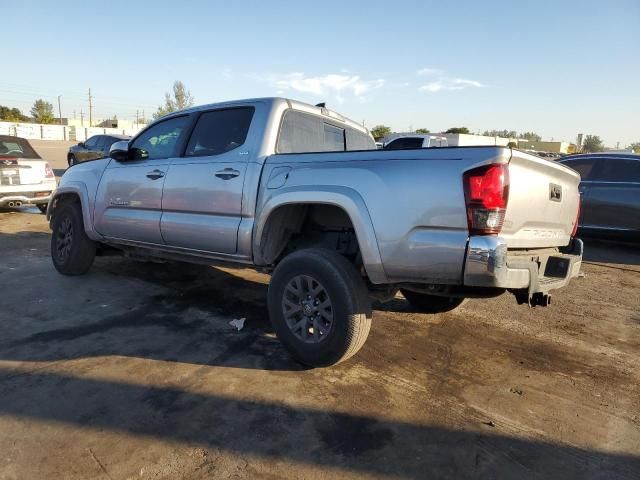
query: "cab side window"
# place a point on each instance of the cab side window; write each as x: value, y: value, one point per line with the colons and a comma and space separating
x: 219, y: 131
x: 161, y: 140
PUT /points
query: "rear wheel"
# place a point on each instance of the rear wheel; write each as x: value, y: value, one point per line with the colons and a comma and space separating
x: 319, y: 307
x: 72, y: 251
x: 431, y: 303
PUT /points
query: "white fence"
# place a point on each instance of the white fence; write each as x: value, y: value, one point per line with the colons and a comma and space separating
x: 59, y: 132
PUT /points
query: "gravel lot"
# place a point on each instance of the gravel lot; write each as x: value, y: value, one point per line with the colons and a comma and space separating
x: 133, y: 371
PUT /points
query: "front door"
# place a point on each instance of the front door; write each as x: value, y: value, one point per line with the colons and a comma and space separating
x: 129, y: 197
x: 202, y: 199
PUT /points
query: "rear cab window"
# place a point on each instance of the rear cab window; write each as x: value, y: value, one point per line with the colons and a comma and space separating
x: 302, y: 132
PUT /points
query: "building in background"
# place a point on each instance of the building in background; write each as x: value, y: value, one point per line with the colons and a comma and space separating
x: 552, y: 147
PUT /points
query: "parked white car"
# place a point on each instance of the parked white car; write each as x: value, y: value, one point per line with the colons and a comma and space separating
x: 25, y: 178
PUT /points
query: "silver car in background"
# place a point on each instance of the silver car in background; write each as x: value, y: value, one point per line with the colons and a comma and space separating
x: 610, y: 190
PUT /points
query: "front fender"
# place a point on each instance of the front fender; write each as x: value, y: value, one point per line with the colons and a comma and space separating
x: 343, y: 197
x: 78, y: 189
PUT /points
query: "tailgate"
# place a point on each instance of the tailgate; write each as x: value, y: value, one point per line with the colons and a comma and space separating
x: 543, y: 203
x: 21, y: 172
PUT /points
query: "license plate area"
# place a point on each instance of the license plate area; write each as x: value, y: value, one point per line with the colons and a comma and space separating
x: 557, y: 267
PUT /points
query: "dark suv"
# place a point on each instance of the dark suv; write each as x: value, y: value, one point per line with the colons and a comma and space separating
x: 93, y: 148
x: 610, y: 190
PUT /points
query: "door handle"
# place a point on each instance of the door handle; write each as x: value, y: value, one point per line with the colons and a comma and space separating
x: 227, y: 173
x: 155, y: 174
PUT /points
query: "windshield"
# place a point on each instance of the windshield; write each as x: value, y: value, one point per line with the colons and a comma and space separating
x: 16, y: 147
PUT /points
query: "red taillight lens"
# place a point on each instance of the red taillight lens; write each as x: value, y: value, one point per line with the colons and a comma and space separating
x: 575, y: 224
x: 47, y: 171
x: 486, y: 192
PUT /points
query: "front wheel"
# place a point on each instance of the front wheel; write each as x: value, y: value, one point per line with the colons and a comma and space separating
x: 72, y: 160
x: 319, y: 307
x: 42, y: 207
x: 431, y: 303
x: 72, y: 251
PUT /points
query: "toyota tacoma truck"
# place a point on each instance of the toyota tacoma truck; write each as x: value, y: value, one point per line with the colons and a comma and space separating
x: 302, y: 193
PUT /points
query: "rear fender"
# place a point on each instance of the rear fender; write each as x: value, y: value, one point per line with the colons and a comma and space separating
x: 342, y: 197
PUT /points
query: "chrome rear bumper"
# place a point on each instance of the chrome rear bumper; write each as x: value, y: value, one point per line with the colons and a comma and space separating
x: 489, y: 264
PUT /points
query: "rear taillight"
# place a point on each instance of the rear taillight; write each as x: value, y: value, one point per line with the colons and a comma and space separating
x: 486, y: 191
x: 47, y: 171
x: 575, y: 224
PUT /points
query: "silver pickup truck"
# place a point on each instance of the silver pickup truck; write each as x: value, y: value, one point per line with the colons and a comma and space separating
x: 301, y: 192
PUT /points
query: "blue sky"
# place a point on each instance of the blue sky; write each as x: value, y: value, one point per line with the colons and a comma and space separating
x: 555, y: 67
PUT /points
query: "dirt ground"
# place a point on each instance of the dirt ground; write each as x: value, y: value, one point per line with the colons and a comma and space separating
x: 133, y: 372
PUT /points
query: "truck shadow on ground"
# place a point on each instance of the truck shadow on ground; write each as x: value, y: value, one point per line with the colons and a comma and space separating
x: 317, y: 437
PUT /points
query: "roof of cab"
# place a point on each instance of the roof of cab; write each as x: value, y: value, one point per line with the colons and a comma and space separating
x: 274, y: 101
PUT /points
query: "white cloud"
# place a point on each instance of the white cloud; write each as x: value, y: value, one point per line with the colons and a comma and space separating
x: 338, y: 85
x: 445, y: 83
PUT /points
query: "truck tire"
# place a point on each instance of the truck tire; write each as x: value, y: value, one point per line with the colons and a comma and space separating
x: 431, y: 303
x: 319, y: 307
x: 72, y: 251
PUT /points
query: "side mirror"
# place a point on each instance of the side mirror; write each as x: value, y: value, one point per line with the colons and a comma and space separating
x: 119, y: 151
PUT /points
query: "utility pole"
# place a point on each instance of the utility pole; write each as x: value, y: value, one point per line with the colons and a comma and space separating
x: 81, y: 118
x: 136, y: 118
x: 90, y: 109
x: 59, y: 110
x: 74, y: 114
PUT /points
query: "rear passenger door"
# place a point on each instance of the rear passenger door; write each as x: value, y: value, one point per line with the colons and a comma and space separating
x: 614, y: 195
x: 202, y: 197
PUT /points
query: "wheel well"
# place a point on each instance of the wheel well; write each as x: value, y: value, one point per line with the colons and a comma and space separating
x: 64, y: 198
x: 296, y: 226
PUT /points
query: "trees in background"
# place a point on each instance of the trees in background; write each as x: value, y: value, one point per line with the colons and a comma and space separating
x: 592, y: 143
x: 12, y: 115
x: 501, y: 133
x: 422, y: 131
x: 177, y: 100
x: 42, y: 112
x: 635, y: 147
x: 380, y: 131
x: 458, y: 130
x: 531, y: 136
